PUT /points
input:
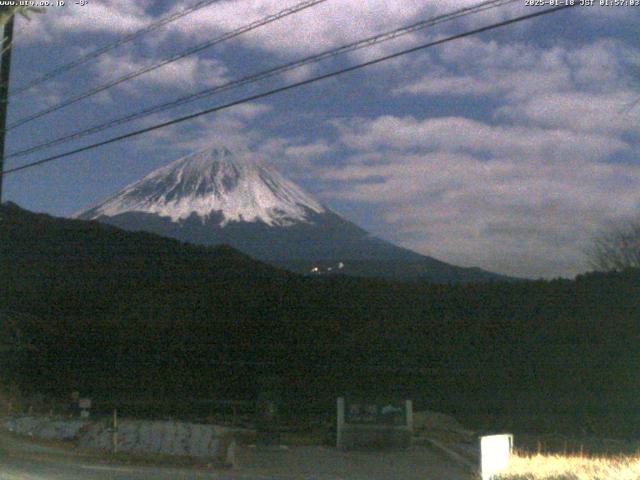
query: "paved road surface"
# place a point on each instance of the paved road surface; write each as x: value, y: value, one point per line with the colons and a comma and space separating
x: 20, y: 460
x: 29, y: 469
x: 23, y: 460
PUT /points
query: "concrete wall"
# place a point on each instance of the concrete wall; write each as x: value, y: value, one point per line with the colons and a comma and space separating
x: 159, y: 437
x: 44, y: 428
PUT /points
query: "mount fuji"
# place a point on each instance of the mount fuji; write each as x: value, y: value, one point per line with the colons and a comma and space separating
x: 216, y: 197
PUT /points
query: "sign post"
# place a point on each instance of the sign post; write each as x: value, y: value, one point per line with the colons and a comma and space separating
x: 374, y: 423
x: 268, y: 412
x: 85, y: 407
x: 114, y: 438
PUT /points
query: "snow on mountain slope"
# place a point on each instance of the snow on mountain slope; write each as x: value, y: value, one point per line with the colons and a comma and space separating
x: 216, y: 197
x: 213, y: 181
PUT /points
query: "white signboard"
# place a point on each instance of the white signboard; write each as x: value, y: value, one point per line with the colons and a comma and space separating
x: 495, y: 451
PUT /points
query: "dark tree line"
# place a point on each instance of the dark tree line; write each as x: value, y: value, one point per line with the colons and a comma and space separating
x: 112, y: 312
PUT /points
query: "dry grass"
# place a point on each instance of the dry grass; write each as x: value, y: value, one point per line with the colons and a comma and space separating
x: 571, y: 467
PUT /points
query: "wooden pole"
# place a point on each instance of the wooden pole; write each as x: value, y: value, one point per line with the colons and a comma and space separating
x: 5, y: 65
x: 115, y: 431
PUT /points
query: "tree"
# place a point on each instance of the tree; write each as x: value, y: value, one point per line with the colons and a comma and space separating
x: 8, y: 12
x: 617, y: 248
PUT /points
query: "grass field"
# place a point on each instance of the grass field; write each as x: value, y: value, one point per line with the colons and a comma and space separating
x: 571, y: 467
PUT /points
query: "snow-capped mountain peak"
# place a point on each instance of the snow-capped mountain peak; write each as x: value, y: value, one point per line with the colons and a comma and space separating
x: 216, y: 197
x: 213, y: 181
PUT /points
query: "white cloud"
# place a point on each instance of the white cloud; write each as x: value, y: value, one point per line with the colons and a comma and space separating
x: 300, y: 73
x: 231, y: 128
x: 459, y: 134
x: 334, y: 23
x: 439, y: 83
x: 520, y: 71
x: 522, y: 194
x: 249, y: 111
x: 183, y: 74
x: 315, y: 149
x: 520, y: 218
x: 313, y: 29
x: 579, y: 112
x: 107, y: 16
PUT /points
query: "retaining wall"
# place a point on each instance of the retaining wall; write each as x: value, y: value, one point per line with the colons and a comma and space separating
x: 159, y: 437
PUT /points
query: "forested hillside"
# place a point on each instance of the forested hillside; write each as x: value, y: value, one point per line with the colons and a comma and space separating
x: 110, y: 311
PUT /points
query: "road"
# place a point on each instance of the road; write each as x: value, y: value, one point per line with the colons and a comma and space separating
x: 30, y: 469
x: 22, y: 460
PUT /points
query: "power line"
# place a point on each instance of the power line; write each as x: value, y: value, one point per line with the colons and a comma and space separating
x: 367, y: 42
x: 100, y: 51
x: 291, y: 86
x: 198, y: 48
x: 630, y: 106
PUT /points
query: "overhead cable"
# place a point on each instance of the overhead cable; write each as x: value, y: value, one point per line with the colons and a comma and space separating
x: 174, y: 58
x: 291, y: 86
x: 102, y: 50
x: 265, y: 74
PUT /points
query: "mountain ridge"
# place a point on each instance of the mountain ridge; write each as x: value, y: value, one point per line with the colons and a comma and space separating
x: 216, y: 197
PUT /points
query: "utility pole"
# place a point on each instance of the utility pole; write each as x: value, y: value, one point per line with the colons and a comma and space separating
x: 5, y: 65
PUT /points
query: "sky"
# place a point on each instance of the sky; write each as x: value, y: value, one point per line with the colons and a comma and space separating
x: 508, y: 150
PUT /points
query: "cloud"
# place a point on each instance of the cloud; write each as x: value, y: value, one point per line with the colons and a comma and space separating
x: 107, y: 16
x: 516, y: 72
x: 249, y: 111
x: 577, y: 111
x: 520, y: 190
x: 183, y: 74
x: 330, y: 24
x: 315, y: 149
x: 440, y: 83
x: 231, y: 128
x: 520, y: 218
x: 313, y: 29
x: 460, y: 134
